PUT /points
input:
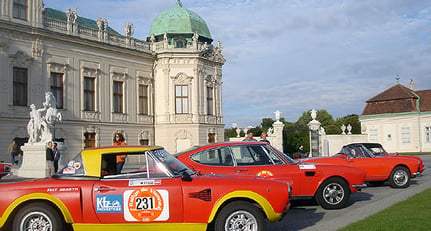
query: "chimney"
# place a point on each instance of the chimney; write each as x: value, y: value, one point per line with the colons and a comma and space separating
x: 412, y: 85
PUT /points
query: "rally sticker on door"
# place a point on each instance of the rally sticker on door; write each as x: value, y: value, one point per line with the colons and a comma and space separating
x: 146, y: 205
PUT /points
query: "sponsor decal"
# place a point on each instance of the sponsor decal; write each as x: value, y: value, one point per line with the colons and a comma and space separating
x: 109, y: 203
x: 68, y: 189
x: 146, y: 205
x: 138, y: 182
x: 307, y: 166
x: 265, y: 173
x: 69, y: 170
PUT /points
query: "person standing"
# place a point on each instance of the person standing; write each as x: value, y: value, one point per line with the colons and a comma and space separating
x: 50, y: 159
x: 57, y: 155
x: 12, y: 150
x: 119, y: 141
x: 249, y: 136
x: 263, y: 138
x: 302, y: 152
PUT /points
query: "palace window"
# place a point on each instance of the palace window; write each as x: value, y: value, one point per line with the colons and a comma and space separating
x: 181, y: 99
x: 57, y: 88
x: 89, y: 140
x: 20, y: 9
x: 143, y: 99
x: 428, y: 134
x: 118, y: 96
x: 89, y: 93
x: 373, y: 135
x: 405, y: 135
x: 20, y: 81
x: 210, y: 101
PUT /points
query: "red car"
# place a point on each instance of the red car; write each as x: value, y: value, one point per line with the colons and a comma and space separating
x: 4, y: 169
x: 379, y: 165
x: 330, y: 185
x: 152, y: 191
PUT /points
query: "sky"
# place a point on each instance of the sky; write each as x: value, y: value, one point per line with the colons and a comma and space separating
x: 296, y: 55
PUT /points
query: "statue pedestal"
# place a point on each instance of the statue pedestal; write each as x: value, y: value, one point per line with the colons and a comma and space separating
x: 34, y: 161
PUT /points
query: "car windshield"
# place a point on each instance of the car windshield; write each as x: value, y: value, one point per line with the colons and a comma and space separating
x: 286, y: 157
x: 170, y: 162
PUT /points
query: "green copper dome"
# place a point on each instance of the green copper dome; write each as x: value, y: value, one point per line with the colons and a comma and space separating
x: 178, y: 20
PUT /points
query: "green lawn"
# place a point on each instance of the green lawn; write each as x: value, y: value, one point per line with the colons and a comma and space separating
x: 411, y: 214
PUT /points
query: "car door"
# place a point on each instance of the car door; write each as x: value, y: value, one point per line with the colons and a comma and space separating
x: 362, y: 159
x: 141, y: 193
x: 262, y: 160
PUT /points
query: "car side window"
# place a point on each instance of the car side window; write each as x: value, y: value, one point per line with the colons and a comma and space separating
x: 135, y: 166
x: 250, y: 155
x: 219, y: 156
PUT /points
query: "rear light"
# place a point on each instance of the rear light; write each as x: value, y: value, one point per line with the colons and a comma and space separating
x: 6, y: 168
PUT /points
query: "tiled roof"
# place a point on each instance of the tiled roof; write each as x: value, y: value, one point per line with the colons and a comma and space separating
x: 56, y: 14
x: 398, y: 99
x: 425, y: 99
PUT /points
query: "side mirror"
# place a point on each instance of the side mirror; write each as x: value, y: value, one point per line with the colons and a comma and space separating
x: 185, y: 176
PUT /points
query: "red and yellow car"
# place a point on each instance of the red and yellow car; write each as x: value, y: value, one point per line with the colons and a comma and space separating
x: 379, y: 165
x: 152, y: 191
x: 4, y: 169
x: 330, y: 185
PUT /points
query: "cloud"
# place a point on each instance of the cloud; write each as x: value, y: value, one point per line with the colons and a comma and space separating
x: 294, y: 55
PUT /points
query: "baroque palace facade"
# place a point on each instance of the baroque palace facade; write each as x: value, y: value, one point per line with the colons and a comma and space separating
x: 165, y: 90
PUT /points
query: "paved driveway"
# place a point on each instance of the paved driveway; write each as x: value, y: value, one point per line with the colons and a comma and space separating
x: 363, y: 204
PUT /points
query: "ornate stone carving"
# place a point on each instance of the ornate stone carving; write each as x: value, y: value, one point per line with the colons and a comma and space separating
x: 118, y: 76
x: 119, y: 117
x: 37, y: 48
x: 146, y: 119
x: 182, y: 78
x: 90, y: 115
x: 21, y: 59
x: 183, y: 134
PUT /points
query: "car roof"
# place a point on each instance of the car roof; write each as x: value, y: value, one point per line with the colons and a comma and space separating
x: 92, y: 157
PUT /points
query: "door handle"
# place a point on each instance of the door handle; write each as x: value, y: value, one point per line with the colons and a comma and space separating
x: 241, y: 170
x: 103, y: 189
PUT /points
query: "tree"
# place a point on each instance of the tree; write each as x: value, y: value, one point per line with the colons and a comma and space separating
x: 353, y: 120
x: 322, y: 116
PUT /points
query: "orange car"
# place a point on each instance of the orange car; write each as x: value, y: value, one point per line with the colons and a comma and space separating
x: 330, y: 185
x: 380, y: 166
x: 153, y: 191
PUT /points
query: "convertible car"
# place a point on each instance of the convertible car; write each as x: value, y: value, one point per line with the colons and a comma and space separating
x: 330, y: 185
x: 152, y: 191
x: 379, y: 165
x: 4, y: 169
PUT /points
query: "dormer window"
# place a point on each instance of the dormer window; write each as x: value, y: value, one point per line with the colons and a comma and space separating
x: 180, y: 43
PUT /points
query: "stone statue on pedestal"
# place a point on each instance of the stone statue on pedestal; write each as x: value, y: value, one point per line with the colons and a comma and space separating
x: 40, y: 128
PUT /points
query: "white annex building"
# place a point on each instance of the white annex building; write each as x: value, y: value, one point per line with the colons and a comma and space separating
x: 399, y: 118
x: 164, y: 90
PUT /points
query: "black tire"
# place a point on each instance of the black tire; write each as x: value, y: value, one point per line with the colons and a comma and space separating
x: 400, y: 177
x: 47, y: 217
x: 236, y: 215
x: 333, y: 193
x: 376, y: 183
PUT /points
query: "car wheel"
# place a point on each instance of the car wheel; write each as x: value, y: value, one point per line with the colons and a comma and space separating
x: 38, y: 216
x: 240, y: 215
x: 333, y: 193
x: 400, y: 177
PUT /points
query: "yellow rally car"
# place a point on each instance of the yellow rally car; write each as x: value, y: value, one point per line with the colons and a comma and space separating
x: 151, y: 191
